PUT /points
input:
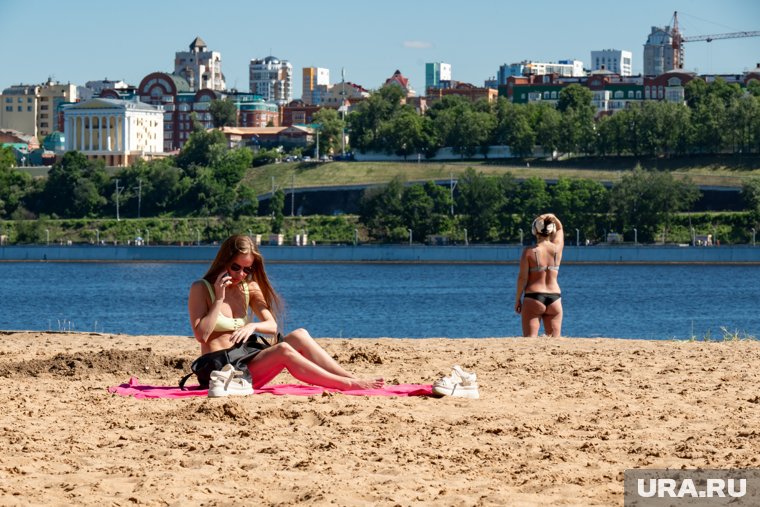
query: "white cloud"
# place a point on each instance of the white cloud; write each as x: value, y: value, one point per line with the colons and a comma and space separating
x: 417, y: 44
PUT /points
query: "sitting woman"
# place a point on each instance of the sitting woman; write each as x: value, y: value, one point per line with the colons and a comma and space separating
x: 219, y: 306
x: 537, y: 280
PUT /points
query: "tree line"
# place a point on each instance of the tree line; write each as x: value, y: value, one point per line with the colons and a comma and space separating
x: 207, y: 178
x: 717, y: 117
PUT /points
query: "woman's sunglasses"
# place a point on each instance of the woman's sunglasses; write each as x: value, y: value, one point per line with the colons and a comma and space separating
x: 237, y: 267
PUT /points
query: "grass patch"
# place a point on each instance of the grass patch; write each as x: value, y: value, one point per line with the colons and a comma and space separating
x: 718, y: 171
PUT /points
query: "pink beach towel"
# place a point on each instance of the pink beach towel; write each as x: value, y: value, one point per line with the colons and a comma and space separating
x: 133, y: 388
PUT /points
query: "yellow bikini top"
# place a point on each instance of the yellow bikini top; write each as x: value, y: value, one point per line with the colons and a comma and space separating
x: 224, y: 323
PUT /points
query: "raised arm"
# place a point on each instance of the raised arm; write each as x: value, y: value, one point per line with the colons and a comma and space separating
x: 558, y: 238
x: 203, y: 313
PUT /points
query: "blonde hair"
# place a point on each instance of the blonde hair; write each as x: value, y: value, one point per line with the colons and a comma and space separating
x: 234, y: 246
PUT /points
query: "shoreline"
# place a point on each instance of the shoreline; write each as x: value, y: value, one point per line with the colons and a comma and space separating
x: 393, y: 254
x: 558, y: 422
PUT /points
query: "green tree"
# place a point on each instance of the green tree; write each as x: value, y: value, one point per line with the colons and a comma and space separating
x: 405, y: 133
x: 479, y: 201
x: 381, y: 211
x: 709, y: 120
x: 648, y: 202
x: 743, y: 124
x: 223, y: 113
x: 612, y: 134
x: 425, y: 209
x: 578, y: 202
x: 246, y: 201
x: 575, y: 97
x: 365, y: 122
x: 751, y: 197
x: 577, y: 123
x: 546, y: 124
x: 331, y: 128
x: 534, y: 200
x: 75, y: 187
x: 202, y: 149
x: 14, y: 184
x: 276, y: 205
x: 513, y: 127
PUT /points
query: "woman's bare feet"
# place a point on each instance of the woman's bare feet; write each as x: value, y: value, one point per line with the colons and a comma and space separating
x: 375, y: 383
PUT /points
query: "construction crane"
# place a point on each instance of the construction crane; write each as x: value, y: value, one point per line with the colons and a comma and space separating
x: 678, y: 40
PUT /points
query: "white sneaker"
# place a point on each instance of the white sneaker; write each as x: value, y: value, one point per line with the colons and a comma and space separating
x: 228, y: 381
x: 460, y: 384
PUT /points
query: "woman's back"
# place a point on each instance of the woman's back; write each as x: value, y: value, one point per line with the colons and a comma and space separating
x: 543, y: 260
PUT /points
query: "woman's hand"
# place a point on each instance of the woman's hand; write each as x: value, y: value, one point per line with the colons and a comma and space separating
x: 518, y: 307
x: 242, y: 334
x: 223, y: 281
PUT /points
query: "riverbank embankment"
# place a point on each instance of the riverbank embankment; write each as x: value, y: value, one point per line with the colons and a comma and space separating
x: 503, y: 254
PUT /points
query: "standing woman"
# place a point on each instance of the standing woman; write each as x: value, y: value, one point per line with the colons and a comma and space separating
x: 537, y: 280
x: 219, y: 306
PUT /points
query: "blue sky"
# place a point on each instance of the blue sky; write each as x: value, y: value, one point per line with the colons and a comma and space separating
x: 77, y: 41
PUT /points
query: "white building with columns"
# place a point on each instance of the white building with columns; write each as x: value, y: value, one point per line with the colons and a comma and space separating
x: 116, y: 131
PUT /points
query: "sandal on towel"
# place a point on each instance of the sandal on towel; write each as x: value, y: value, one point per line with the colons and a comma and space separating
x: 460, y: 384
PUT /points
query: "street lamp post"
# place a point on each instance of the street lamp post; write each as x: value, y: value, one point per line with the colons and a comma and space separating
x: 577, y: 237
x: 47, y: 236
x: 410, y: 237
x: 521, y: 236
x: 635, y: 236
x: 753, y: 236
x: 452, y: 184
x: 466, y: 240
x: 97, y: 236
x: 356, y: 237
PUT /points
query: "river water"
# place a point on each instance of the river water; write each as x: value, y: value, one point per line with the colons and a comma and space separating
x: 392, y: 300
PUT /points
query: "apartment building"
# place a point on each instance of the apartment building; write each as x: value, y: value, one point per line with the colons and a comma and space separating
x: 342, y: 96
x: 179, y: 102
x: 659, y: 54
x: 437, y: 75
x: 114, y: 130
x: 201, y: 68
x: 615, y: 60
x: 254, y: 111
x: 33, y: 109
x: 272, y: 79
x: 316, y: 82
x: 564, y: 68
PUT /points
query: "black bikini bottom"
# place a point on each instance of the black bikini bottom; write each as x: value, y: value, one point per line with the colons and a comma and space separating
x: 544, y: 298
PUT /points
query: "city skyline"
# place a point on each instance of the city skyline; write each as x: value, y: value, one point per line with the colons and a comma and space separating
x: 370, y: 42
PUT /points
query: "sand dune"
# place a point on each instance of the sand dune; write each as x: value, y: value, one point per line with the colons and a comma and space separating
x: 557, y: 424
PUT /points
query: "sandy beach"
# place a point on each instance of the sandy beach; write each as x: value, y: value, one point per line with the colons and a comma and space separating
x: 558, y: 422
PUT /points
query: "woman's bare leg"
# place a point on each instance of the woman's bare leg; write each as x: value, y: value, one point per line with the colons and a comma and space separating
x: 301, y: 340
x: 531, y: 316
x: 269, y: 362
x: 553, y: 319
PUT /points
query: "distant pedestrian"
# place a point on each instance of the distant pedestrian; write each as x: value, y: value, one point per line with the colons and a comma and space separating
x: 538, y: 296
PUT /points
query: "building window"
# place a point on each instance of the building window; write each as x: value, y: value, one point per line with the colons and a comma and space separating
x: 20, y: 108
x: 9, y: 108
x: 28, y: 108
